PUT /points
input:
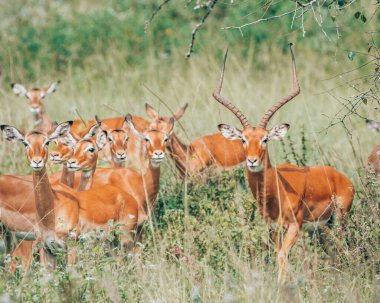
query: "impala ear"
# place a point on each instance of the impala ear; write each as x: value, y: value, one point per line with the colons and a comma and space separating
x: 101, y: 139
x: 230, y: 132
x: 68, y: 140
x: 92, y: 130
x: 180, y: 112
x: 171, y: 126
x: 19, y: 89
x: 151, y: 112
x: 51, y: 89
x: 128, y: 119
x: 12, y: 133
x: 60, y: 131
x: 278, y: 132
x: 373, y: 125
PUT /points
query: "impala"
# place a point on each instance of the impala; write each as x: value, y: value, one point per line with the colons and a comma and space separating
x: 118, y: 145
x: 21, y: 254
x: 287, y: 194
x: 374, y: 157
x: 61, y: 210
x: 36, y: 104
x: 201, y: 153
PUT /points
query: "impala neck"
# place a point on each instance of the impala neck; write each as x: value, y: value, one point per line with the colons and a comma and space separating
x: 117, y: 164
x: 44, y: 199
x: 67, y: 176
x: 151, y: 184
x: 262, y: 186
x: 86, y: 179
x: 178, y: 151
x: 42, y: 121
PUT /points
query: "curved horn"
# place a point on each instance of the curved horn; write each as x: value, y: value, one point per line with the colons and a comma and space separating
x: 275, y: 107
x: 218, y: 97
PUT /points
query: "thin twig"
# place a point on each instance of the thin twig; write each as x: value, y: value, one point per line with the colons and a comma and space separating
x: 196, y: 28
x: 155, y: 12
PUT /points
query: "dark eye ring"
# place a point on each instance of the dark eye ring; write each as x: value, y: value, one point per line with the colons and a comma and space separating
x: 146, y: 139
x: 91, y: 150
x: 166, y: 139
x: 47, y: 143
x: 265, y: 140
x: 25, y: 144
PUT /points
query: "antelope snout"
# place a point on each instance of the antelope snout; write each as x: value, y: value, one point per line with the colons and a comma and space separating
x: 254, y: 164
x: 120, y: 156
x: 158, y: 155
x: 37, y: 163
x: 55, y: 157
x: 35, y: 109
x: 72, y: 165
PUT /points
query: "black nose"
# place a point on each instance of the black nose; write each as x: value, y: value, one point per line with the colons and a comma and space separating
x: 253, y: 161
x: 37, y: 161
x: 159, y: 153
x: 71, y: 161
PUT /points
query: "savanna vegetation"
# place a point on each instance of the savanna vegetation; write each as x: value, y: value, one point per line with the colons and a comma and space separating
x: 206, y: 241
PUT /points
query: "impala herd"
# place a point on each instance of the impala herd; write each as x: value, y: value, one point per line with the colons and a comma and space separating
x: 49, y: 209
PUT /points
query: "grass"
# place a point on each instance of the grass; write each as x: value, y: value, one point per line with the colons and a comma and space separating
x: 207, y: 241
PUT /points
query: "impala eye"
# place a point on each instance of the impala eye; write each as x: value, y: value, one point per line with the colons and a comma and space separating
x: 25, y: 144
x: 126, y: 139
x: 244, y: 141
x: 264, y: 140
x: 47, y: 143
x: 91, y: 150
x: 166, y: 139
x: 146, y: 139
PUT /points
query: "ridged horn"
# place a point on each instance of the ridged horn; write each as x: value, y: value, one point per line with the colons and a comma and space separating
x: 275, y: 107
x: 224, y: 101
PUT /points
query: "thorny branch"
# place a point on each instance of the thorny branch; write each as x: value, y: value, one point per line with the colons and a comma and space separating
x: 369, y: 96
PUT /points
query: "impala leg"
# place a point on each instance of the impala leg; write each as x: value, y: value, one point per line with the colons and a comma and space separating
x: 22, y: 255
x: 290, y: 239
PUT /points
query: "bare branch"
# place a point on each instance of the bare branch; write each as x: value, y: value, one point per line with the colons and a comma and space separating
x: 196, y: 28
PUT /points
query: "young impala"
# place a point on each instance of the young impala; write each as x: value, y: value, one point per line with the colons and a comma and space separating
x: 36, y: 104
x: 374, y: 157
x: 59, y: 209
x: 287, y: 194
x: 201, y: 153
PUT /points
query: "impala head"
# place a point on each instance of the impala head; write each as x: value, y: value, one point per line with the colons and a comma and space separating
x: 35, y: 95
x: 85, y: 151
x: 156, y: 137
x: 36, y: 143
x: 255, y: 139
x: 64, y: 147
x: 118, y: 141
